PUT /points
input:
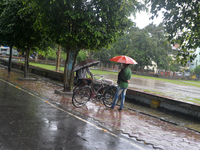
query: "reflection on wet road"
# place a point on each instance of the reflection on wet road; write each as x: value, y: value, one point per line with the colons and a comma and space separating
x: 31, y: 122
x: 164, y: 88
x: 149, y: 130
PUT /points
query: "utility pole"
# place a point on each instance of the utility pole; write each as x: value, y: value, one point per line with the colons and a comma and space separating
x: 58, y: 58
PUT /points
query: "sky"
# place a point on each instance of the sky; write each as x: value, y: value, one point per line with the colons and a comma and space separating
x: 142, y: 19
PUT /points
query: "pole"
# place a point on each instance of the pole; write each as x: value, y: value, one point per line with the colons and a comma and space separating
x: 58, y: 58
x: 9, y: 63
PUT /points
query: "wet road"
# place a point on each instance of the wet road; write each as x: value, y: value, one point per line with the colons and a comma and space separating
x: 29, y: 121
x: 164, y: 88
x: 144, y: 129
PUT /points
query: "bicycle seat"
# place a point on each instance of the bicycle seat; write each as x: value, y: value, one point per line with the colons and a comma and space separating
x: 107, y: 81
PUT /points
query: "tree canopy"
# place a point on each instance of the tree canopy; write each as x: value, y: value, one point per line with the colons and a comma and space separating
x: 143, y: 45
x: 84, y: 24
x: 182, y: 23
x: 17, y: 21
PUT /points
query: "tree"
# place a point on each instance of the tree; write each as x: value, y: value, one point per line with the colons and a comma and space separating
x: 162, y: 46
x: 7, y: 36
x: 140, y: 47
x: 144, y: 45
x: 173, y: 65
x: 17, y: 20
x: 84, y: 24
x: 147, y: 45
x: 182, y: 23
x: 197, y: 71
x: 82, y: 55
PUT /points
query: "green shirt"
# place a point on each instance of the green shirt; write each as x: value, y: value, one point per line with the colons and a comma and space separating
x: 127, y: 76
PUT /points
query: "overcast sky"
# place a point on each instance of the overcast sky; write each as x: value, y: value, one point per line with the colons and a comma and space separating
x: 142, y: 19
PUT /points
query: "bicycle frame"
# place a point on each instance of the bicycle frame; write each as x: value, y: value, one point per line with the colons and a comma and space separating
x: 79, y: 99
x: 101, y: 81
x: 95, y: 93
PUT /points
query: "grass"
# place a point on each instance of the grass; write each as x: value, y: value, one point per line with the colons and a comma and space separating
x: 194, y: 100
x: 197, y: 99
x: 154, y: 92
x: 45, y: 66
x: 100, y: 72
x: 179, y: 82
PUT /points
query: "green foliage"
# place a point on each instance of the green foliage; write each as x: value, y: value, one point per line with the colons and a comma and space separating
x: 197, y: 70
x: 174, y: 66
x: 192, y: 71
x: 17, y: 21
x: 63, y: 56
x: 84, y: 24
x: 49, y: 53
x: 82, y: 55
x: 181, y: 20
x: 143, y: 45
x: 17, y: 24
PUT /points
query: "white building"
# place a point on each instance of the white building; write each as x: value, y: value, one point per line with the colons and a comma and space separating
x: 5, y: 50
x: 196, y: 62
x: 154, y: 67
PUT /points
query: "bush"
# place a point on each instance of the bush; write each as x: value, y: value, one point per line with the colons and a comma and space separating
x: 197, y: 71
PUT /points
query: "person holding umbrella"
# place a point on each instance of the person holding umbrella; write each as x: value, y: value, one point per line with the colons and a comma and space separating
x: 124, y: 77
x: 82, y: 69
x: 82, y: 76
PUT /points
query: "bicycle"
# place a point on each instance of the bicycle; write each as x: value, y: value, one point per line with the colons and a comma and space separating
x: 100, y: 89
x: 109, y: 95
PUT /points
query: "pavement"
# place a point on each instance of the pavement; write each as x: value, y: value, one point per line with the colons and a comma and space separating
x: 145, y: 129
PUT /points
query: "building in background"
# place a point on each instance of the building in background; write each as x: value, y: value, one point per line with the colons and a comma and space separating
x: 196, y: 62
x: 5, y: 50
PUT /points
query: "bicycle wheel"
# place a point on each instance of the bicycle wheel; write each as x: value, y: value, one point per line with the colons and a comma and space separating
x: 103, y: 90
x: 109, y: 96
x: 101, y: 93
x: 81, y: 96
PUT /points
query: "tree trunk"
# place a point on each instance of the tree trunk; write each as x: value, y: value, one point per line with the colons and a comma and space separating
x: 9, y: 63
x: 58, y: 58
x: 68, y: 80
x: 26, y: 66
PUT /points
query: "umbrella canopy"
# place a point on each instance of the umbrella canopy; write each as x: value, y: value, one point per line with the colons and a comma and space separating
x: 86, y: 63
x: 123, y: 59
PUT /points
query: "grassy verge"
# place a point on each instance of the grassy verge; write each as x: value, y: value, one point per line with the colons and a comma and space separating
x: 179, y: 82
x: 195, y: 100
x: 45, y: 66
x: 100, y: 72
x: 154, y: 92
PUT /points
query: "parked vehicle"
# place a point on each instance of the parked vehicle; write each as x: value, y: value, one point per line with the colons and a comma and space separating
x: 179, y: 74
x: 5, y: 50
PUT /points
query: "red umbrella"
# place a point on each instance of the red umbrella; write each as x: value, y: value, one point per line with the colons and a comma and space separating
x: 123, y: 59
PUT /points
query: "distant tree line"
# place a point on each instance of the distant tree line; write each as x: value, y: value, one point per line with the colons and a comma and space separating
x: 145, y: 46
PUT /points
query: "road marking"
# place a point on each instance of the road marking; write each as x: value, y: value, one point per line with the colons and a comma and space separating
x: 72, y: 114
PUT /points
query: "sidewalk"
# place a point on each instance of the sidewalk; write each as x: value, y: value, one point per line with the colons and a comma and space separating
x: 149, y: 130
x: 31, y: 122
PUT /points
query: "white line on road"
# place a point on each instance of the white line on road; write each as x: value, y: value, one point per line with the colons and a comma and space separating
x: 73, y: 114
